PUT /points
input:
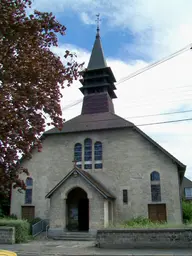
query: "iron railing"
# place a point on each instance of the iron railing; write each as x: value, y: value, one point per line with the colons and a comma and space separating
x: 37, y: 228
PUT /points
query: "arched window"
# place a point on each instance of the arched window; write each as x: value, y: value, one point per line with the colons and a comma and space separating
x: 98, y: 155
x: 155, y: 176
x: 88, y: 154
x: 29, y: 190
x: 78, y: 154
x: 155, y: 187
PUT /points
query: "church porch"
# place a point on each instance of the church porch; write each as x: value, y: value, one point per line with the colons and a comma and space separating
x: 77, y: 206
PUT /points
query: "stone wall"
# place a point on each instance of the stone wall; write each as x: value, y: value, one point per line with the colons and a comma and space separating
x: 145, y: 238
x: 128, y: 160
x: 7, y: 235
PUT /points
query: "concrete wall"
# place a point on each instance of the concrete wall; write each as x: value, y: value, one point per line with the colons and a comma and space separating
x: 128, y: 160
x: 7, y: 235
x: 145, y: 238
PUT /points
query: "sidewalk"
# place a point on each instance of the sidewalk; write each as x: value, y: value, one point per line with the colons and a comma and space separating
x: 83, y: 248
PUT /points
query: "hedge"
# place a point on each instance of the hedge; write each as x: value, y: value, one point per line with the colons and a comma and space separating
x: 187, y: 211
x: 22, y: 228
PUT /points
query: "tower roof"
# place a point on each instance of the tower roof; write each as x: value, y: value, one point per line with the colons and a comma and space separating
x: 97, y: 59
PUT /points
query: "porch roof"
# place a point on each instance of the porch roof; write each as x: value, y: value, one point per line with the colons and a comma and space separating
x: 89, y: 179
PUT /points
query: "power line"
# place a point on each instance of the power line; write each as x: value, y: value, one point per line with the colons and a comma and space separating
x: 72, y: 104
x: 140, y: 71
x: 157, y: 101
x: 162, y: 114
x: 166, y: 122
x: 142, y: 100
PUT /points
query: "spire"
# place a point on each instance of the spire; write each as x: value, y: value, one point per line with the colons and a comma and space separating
x: 98, y: 82
x: 97, y: 59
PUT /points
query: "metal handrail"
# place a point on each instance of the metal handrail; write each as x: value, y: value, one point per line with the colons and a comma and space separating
x: 47, y: 227
x: 40, y: 224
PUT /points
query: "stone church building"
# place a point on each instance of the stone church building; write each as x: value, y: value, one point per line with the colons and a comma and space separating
x: 100, y: 169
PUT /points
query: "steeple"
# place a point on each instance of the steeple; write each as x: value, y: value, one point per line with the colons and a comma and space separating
x: 97, y: 59
x: 98, y: 81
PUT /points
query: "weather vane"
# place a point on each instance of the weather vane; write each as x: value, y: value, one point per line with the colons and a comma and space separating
x: 98, y: 21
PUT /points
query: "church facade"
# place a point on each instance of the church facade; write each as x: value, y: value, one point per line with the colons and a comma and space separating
x: 100, y: 169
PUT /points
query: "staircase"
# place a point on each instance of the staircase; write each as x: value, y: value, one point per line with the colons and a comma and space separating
x: 76, y: 236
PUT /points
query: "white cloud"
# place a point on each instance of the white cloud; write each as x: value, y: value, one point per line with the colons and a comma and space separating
x: 87, y: 19
x: 160, y: 26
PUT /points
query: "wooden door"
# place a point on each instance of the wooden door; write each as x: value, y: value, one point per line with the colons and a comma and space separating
x: 157, y: 212
x: 28, y: 212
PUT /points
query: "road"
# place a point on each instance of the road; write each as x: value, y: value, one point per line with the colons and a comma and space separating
x: 84, y: 248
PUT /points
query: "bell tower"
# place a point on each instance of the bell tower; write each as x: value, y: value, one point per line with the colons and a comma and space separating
x: 97, y: 81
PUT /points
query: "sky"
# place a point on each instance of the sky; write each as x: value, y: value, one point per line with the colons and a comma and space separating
x: 134, y: 34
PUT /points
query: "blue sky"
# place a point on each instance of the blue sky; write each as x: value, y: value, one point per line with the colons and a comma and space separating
x: 83, y: 36
x: 135, y: 33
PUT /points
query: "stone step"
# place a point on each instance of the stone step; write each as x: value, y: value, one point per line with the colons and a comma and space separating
x: 68, y: 238
x: 76, y: 236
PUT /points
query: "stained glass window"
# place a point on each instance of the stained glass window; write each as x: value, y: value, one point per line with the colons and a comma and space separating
x: 29, y: 190
x: 78, y: 154
x: 28, y: 196
x: 98, y: 150
x: 88, y: 166
x: 88, y: 150
x: 99, y: 166
x: 98, y: 155
x: 156, y: 193
x: 155, y: 187
x: 155, y: 176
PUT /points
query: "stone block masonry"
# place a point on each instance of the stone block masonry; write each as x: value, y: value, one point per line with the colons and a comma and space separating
x: 169, y: 238
x: 7, y: 235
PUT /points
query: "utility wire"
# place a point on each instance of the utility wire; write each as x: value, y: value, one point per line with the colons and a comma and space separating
x: 144, y: 101
x: 158, y: 101
x: 72, y: 104
x: 162, y: 114
x: 166, y: 122
x: 140, y: 71
x: 156, y: 90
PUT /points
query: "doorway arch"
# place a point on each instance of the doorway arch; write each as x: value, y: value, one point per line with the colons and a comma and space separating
x: 78, y: 210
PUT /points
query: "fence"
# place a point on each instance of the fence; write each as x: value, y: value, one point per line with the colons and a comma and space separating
x: 37, y: 228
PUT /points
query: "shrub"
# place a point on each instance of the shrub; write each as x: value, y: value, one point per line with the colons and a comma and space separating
x: 35, y: 220
x: 187, y: 211
x: 143, y: 222
x: 21, y: 228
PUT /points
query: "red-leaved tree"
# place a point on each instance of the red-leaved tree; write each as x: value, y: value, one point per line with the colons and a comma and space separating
x: 31, y: 78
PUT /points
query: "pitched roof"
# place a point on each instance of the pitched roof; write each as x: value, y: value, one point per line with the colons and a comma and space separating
x: 88, y: 178
x: 90, y: 122
x: 186, y: 183
x: 97, y: 59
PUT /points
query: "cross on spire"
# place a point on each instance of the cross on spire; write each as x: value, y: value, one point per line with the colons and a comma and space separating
x: 98, y: 23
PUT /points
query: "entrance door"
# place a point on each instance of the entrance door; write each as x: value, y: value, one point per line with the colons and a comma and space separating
x: 157, y: 212
x: 78, y: 210
x: 83, y: 218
